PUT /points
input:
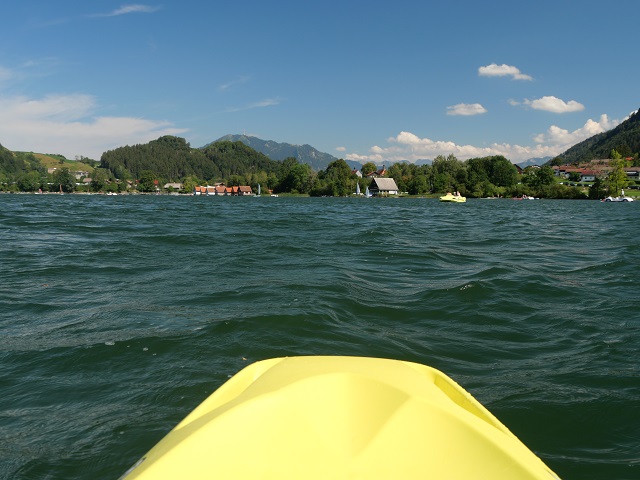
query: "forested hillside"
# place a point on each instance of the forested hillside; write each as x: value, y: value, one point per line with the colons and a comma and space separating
x: 172, y: 159
x: 14, y: 164
x: 625, y: 139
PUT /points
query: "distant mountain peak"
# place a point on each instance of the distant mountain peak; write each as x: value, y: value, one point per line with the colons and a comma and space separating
x: 279, y: 151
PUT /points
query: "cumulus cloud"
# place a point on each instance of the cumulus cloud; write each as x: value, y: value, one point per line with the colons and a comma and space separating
x: 495, y: 70
x: 554, y: 105
x: 410, y: 147
x: 466, y: 109
x: 63, y: 124
x: 564, y: 138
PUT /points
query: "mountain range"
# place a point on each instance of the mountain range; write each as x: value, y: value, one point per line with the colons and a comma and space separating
x: 624, y: 138
x: 533, y: 161
x: 316, y: 159
x: 279, y: 151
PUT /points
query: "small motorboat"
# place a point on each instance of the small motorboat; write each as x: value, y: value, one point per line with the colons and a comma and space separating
x: 336, y: 417
x: 452, y: 197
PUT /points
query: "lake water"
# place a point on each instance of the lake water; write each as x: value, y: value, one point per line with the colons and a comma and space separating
x: 118, y: 315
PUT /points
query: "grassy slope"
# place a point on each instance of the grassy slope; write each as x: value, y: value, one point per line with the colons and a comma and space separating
x: 50, y: 161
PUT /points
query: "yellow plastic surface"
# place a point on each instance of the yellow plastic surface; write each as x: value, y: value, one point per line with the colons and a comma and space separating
x: 340, y: 418
x: 453, y: 198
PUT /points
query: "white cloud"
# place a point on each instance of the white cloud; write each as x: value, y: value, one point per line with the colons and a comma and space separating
x: 408, y: 146
x: 554, y: 105
x: 341, y: 149
x: 62, y: 124
x: 268, y: 102
x: 238, y: 81
x: 563, y: 138
x: 466, y: 109
x: 495, y: 70
x: 126, y: 9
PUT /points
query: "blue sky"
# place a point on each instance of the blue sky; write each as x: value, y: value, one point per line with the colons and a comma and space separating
x: 361, y: 80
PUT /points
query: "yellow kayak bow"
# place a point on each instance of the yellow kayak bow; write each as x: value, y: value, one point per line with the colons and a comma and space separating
x: 340, y: 418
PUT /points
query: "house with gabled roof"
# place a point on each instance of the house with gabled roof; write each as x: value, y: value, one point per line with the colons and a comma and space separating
x: 587, y: 175
x: 383, y: 186
x: 378, y: 173
x: 175, y: 186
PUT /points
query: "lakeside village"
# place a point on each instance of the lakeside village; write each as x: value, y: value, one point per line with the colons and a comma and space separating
x: 380, y: 185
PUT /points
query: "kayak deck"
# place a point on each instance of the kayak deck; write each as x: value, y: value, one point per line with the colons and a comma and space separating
x: 340, y: 418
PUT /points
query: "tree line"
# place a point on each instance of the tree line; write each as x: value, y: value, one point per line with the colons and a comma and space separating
x: 168, y: 159
x: 171, y: 159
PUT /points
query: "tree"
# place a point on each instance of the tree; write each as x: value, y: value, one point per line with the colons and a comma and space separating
x: 30, y: 182
x: 147, y: 181
x: 338, y: 176
x: 99, y: 179
x: 617, y: 178
x: 189, y: 184
x: 367, y: 168
x: 298, y: 178
x: 575, y: 176
x: 596, y: 191
x: 536, y: 178
x: 448, y: 173
x: 418, y: 185
x: 502, y: 172
x: 64, y: 180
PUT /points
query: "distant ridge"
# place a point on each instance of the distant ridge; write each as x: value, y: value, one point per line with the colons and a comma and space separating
x: 625, y: 138
x: 279, y: 151
x: 533, y: 161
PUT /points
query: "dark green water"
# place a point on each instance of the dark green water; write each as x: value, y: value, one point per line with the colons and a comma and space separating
x: 118, y: 315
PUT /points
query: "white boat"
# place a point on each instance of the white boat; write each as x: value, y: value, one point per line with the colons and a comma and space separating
x: 620, y: 198
x: 367, y: 193
x: 358, y: 188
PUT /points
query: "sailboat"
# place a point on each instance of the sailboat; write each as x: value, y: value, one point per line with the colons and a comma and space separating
x: 258, y: 191
x: 367, y: 193
x: 358, y: 188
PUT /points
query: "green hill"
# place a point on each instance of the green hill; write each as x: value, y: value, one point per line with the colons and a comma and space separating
x: 172, y: 159
x: 15, y: 164
x: 58, y: 161
x: 625, y: 139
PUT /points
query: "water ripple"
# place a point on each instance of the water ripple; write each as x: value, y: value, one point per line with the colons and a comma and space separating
x: 120, y: 314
